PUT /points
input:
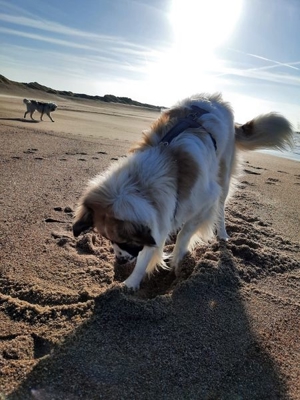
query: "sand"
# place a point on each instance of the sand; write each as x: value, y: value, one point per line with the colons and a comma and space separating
x: 226, y: 328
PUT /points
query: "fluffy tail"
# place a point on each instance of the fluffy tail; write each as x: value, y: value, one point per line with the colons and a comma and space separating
x: 265, y: 131
x: 25, y: 101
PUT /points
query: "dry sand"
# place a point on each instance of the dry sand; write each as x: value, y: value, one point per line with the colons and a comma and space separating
x: 227, y: 328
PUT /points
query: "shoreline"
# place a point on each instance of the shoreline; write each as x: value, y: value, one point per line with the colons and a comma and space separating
x: 286, y: 155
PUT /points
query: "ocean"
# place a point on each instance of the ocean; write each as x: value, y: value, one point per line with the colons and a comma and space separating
x: 293, y: 154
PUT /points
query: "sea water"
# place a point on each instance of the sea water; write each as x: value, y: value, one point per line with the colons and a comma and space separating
x: 292, y: 154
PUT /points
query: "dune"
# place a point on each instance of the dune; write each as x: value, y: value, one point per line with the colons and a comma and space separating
x: 226, y: 328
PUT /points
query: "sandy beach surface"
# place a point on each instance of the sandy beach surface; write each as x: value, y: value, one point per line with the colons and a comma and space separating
x: 226, y: 328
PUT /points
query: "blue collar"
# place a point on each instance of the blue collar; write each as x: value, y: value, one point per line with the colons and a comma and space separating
x: 184, y: 123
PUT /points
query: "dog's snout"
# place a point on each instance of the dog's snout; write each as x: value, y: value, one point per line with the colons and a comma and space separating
x: 122, y: 260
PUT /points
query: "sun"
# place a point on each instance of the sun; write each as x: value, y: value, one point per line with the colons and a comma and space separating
x: 199, y: 24
x: 191, y: 62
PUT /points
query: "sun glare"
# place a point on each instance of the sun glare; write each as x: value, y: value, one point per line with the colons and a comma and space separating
x: 191, y: 64
x: 203, y: 23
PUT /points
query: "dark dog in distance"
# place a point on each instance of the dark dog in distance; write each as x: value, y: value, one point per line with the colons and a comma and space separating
x: 41, y: 107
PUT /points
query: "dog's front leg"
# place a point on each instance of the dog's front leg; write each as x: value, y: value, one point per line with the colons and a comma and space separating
x: 50, y: 117
x: 144, y: 258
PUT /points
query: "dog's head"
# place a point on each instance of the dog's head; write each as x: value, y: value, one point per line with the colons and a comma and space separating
x: 128, y: 238
x: 53, y: 106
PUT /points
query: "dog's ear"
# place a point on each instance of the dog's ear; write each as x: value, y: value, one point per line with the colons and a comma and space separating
x: 84, y: 220
x: 137, y: 233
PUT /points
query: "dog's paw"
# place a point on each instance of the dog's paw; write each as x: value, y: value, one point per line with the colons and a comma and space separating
x: 224, y: 237
x: 176, y: 261
x: 132, y: 283
x: 221, y: 232
x: 186, y: 266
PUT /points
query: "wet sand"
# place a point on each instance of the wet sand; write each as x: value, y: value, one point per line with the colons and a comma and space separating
x: 226, y: 328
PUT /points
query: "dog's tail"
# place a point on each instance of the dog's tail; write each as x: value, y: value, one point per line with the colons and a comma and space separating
x: 26, y: 101
x: 265, y: 131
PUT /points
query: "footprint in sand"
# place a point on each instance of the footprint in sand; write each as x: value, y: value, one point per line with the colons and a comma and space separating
x: 251, y: 172
x: 114, y: 158
x: 248, y: 183
x: 67, y: 209
x: 55, y: 220
x: 82, y: 159
x: 272, y: 181
x: 252, y: 166
x: 297, y: 176
x: 30, y: 151
x: 101, y: 152
x: 62, y: 239
x: 283, y: 172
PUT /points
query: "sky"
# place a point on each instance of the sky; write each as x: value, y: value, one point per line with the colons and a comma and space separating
x: 159, y: 51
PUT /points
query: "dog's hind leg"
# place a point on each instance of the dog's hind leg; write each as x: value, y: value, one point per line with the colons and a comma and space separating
x: 224, y: 177
x: 221, y: 227
x: 221, y: 230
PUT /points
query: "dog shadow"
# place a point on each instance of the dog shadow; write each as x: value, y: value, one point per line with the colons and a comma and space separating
x: 32, y: 121
x: 195, y: 342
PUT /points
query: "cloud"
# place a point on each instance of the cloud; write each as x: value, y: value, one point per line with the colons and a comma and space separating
x: 49, y: 26
x: 45, y: 38
x: 98, y: 66
x: 58, y: 29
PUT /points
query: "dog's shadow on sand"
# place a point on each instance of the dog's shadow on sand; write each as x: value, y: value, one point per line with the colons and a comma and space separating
x: 32, y: 121
x: 195, y: 342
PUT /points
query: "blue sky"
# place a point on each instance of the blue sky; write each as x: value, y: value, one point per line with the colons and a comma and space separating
x: 159, y: 51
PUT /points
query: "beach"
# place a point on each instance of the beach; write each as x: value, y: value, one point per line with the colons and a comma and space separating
x: 226, y: 328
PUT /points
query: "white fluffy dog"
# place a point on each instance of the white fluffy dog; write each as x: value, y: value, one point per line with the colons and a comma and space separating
x: 41, y: 107
x: 176, y: 179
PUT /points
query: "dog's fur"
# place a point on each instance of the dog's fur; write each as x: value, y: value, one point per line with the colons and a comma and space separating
x: 41, y: 107
x: 162, y: 189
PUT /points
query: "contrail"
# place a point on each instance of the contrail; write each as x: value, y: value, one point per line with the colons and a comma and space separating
x: 277, y: 63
